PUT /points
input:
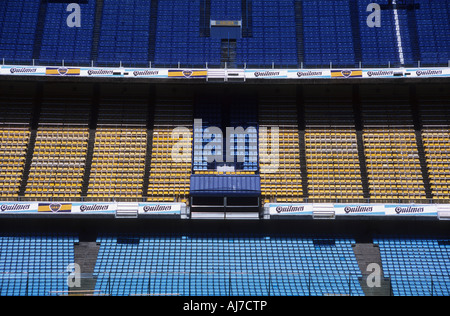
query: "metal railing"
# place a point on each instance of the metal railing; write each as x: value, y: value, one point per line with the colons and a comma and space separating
x: 214, y: 284
x: 215, y: 65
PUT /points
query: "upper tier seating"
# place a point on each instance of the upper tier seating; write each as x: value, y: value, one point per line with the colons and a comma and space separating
x: 283, y: 33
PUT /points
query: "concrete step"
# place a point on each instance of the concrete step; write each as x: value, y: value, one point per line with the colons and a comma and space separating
x: 86, y: 257
x: 367, y: 254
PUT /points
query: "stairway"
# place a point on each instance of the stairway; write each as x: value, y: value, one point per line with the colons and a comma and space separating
x: 152, y: 31
x: 88, y: 163
x: 419, y: 141
x: 356, y: 31
x: 86, y: 256
x: 247, y: 21
x: 91, y: 141
x: 299, y: 31
x: 228, y: 53
x: 28, y: 161
x: 39, y: 29
x: 301, y: 140
x: 205, y: 18
x: 360, y: 141
x: 367, y: 253
x: 96, y: 30
x: 37, y: 102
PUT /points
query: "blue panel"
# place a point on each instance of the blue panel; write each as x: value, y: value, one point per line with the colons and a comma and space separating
x: 225, y: 185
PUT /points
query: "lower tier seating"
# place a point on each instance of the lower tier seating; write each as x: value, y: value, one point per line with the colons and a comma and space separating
x: 226, y: 264
x: 35, y: 264
x: 417, y: 266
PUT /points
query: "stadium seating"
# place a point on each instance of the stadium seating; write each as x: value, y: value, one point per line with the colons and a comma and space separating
x: 72, y: 45
x: 273, y: 38
x: 280, y: 180
x: 331, y: 149
x: 35, y: 264
x: 178, y: 36
x: 169, y: 177
x: 226, y: 264
x: 426, y: 261
x: 58, y: 162
x: 18, y: 22
x: 14, y: 142
x: 223, y: 10
x: 327, y: 40
x: 15, y: 117
x: 433, y: 43
x: 124, y: 34
x: 119, y: 151
x: 239, y: 113
x: 274, y: 32
x: 60, y: 149
x: 435, y: 135
x: 390, y: 146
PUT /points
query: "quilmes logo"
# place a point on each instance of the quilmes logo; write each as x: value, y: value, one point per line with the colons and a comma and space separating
x: 408, y: 209
x: 22, y: 70
x: 380, y: 73
x: 428, y: 72
x: 93, y: 207
x: 93, y: 72
x: 157, y: 208
x: 14, y: 207
x: 309, y: 73
x: 289, y: 209
x: 358, y: 209
x: 266, y: 74
x: 138, y: 73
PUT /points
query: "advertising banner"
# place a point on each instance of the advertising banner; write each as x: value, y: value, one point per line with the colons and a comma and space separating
x: 427, y: 72
x: 94, y: 208
x: 18, y: 207
x: 382, y: 73
x: 266, y: 74
x: 160, y: 208
x: 187, y: 74
x: 54, y: 207
x: 290, y: 209
x: 100, y: 72
x: 62, y: 71
x: 22, y: 70
x: 411, y: 210
x: 346, y: 73
x: 145, y: 73
x: 358, y: 209
x: 309, y: 74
